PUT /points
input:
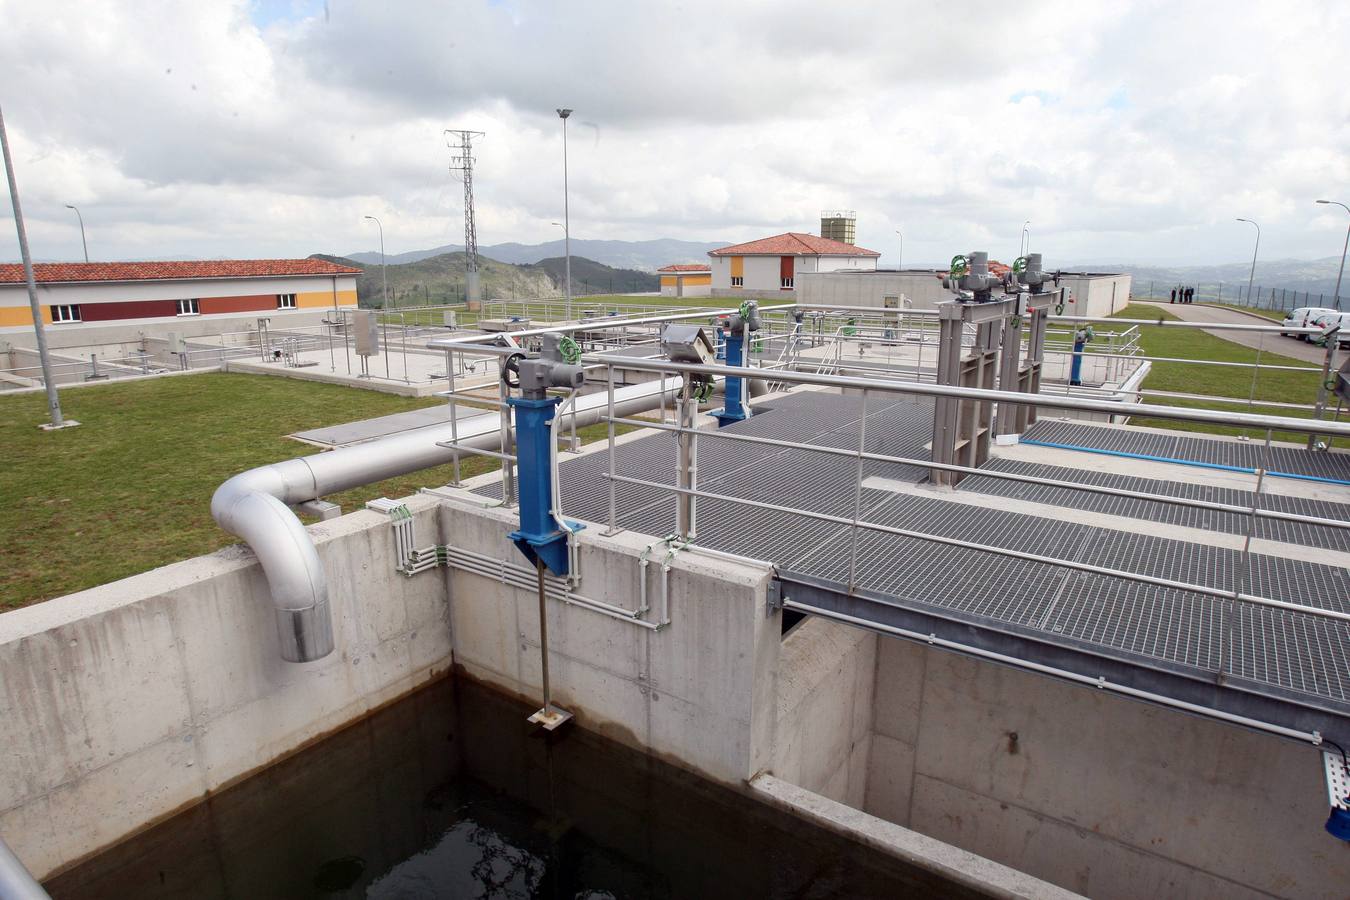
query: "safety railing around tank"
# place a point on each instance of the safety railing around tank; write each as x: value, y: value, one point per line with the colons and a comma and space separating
x: 856, y: 524
x: 799, y: 328
x: 687, y: 491
x: 883, y: 344
x: 868, y: 387
x: 548, y: 309
x: 1267, y: 425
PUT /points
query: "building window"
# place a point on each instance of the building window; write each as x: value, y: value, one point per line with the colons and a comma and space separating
x: 69, y: 312
x: 787, y: 284
x: 187, y: 307
x: 737, y: 281
x: 285, y: 301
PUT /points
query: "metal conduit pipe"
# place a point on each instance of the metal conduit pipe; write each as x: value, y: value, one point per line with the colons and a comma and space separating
x: 1311, y: 737
x: 254, y: 505
x: 16, y: 882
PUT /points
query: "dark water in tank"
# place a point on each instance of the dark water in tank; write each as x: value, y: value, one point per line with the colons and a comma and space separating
x: 450, y: 793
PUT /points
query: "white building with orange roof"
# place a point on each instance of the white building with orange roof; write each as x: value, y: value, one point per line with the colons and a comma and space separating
x: 90, y: 303
x: 770, y: 267
x: 686, y: 280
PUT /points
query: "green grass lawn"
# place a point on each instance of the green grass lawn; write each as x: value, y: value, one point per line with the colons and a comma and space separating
x: 1218, y: 381
x: 130, y: 489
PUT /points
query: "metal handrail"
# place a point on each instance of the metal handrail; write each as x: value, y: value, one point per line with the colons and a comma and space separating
x: 1240, y: 420
x: 856, y: 523
x: 995, y: 473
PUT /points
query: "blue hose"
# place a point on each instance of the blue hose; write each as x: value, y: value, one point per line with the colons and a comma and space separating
x: 1182, y: 462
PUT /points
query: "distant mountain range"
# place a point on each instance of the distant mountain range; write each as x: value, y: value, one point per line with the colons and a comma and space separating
x: 1316, y: 276
x: 645, y: 256
x: 440, y: 279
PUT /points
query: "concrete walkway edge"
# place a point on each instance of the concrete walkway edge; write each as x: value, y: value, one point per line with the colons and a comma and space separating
x: 959, y: 866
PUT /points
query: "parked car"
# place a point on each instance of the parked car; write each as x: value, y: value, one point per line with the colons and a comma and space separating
x: 1302, y: 318
x: 1322, y: 320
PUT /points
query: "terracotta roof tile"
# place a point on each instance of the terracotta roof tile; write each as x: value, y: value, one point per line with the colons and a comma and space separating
x: 51, y: 273
x: 793, y: 244
x: 686, y: 267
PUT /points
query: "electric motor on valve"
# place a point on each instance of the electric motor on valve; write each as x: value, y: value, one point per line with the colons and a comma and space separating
x: 549, y: 370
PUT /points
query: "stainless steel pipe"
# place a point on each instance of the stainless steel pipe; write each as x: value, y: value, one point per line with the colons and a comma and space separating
x: 16, y: 882
x: 254, y: 505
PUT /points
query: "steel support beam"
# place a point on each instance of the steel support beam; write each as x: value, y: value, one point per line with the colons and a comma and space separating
x: 1192, y: 689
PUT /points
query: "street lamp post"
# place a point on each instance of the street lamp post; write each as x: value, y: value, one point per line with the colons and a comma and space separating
x: 384, y: 269
x: 53, y: 401
x: 1024, y: 244
x: 1252, y: 274
x: 900, y: 265
x: 567, y: 222
x: 564, y: 228
x: 83, y: 242
x: 1344, y: 247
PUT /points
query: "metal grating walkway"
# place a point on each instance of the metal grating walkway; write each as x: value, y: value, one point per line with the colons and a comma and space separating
x: 1213, y: 520
x: 1197, y: 449
x: 1140, y: 625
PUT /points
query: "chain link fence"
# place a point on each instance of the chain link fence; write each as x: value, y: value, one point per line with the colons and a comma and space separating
x: 1260, y: 297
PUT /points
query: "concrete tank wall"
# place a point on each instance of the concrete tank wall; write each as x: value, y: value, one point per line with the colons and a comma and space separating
x: 823, y: 726
x: 127, y: 702
x: 1103, y: 795
x: 699, y: 692
x: 923, y: 289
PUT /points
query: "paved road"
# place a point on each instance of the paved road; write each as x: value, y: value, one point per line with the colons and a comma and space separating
x: 1272, y: 342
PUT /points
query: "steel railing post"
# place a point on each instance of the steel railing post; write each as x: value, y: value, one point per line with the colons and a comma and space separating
x: 454, y: 409
x: 613, y: 485
x: 1244, y: 564
x: 508, y: 467
x: 1332, y: 340
x: 857, y: 497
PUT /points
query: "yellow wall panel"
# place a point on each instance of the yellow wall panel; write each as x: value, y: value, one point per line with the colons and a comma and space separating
x: 667, y: 281
x: 11, y: 316
x: 738, y: 267
x: 315, y: 299
x: 697, y: 279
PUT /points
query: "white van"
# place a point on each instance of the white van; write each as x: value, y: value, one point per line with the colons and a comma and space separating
x: 1324, y: 319
x: 1302, y: 318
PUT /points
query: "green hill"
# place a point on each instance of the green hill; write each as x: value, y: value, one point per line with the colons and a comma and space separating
x: 439, y: 280
x: 591, y: 277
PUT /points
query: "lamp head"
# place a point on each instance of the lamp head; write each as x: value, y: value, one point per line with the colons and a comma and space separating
x: 564, y: 113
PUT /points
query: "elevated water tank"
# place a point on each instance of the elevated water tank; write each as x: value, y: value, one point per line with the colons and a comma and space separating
x: 839, y: 225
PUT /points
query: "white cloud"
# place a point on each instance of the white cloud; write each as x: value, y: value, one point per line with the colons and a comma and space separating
x: 230, y: 129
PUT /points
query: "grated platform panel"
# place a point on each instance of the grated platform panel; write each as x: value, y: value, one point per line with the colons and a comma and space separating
x: 1283, y: 650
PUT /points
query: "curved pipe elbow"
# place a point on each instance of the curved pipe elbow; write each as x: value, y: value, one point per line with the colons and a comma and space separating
x: 247, y: 507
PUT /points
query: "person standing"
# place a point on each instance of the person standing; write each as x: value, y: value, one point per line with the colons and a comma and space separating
x: 1174, y: 296
x: 1190, y: 294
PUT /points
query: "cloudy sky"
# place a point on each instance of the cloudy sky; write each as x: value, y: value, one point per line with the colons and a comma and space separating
x: 1123, y: 131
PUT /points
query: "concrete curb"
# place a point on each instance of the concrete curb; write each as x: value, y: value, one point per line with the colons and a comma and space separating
x: 952, y: 863
x: 1242, y: 312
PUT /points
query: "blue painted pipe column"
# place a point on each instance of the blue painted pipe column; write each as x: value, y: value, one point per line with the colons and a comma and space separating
x: 539, y: 536
x: 1076, y: 370
x: 734, y: 410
